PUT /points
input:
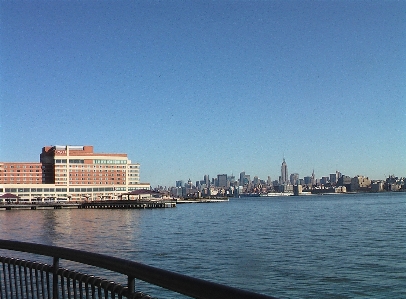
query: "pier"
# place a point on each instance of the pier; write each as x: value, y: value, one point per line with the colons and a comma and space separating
x: 127, y: 204
x: 38, y: 206
x: 103, y: 204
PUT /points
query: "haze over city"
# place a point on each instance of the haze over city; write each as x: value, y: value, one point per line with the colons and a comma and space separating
x: 194, y: 88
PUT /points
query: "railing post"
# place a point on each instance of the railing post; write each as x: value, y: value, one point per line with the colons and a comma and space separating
x: 131, y: 284
x: 55, y: 278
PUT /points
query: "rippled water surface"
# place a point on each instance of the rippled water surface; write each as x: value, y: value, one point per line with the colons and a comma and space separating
x: 332, y: 246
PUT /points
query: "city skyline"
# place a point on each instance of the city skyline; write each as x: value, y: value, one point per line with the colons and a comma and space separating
x: 242, y: 176
x: 194, y: 88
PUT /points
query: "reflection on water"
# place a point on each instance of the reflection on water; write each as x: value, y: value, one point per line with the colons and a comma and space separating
x: 87, y: 229
x: 108, y: 232
x: 297, y: 247
x: 49, y: 227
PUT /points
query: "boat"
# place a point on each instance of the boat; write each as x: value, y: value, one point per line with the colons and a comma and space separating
x: 272, y: 194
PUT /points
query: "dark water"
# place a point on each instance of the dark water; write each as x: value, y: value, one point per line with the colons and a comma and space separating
x: 332, y: 246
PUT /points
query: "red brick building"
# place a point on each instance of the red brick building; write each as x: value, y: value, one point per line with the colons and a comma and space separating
x: 75, y: 172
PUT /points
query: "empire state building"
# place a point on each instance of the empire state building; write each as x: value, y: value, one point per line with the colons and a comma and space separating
x: 284, y: 173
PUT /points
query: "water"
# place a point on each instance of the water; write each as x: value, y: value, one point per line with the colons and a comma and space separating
x: 332, y: 246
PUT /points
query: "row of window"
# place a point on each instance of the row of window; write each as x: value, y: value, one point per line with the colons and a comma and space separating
x: 94, y: 174
x: 41, y: 190
x: 6, y: 179
x: 110, y: 161
x: 76, y: 161
x: 20, y: 171
x: 94, y: 166
x: 94, y: 180
x: 91, y: 189
x: 90, y: 171
x: 57, y: 161
x: 23, y: 166
x: 12, y: 174
x: 35, y: 189
x: 92, y: 183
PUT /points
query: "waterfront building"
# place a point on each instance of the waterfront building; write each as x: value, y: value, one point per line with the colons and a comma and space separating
x: 377, y: 186
x: 287, y: 188
x: 345, y: 180
x: 71, y: 173
x: 360, y: 183
x: 297, y: 189
x: 394, y: 183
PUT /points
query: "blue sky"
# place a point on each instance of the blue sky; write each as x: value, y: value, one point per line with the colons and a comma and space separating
x: 189, y: 88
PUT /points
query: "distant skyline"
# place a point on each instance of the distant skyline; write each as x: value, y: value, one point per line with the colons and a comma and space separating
x: 194, y: 88
x: 284, y: 176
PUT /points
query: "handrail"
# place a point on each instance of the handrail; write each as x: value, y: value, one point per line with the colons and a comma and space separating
x: 186, y: 285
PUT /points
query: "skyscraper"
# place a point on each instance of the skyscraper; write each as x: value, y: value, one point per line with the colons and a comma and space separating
x: 242, y: 177
x: 313, y: 178
x: 207, y: 180
x: 284, y: 173
x: 222, y: 180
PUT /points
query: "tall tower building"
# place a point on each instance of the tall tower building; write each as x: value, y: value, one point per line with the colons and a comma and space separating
x: 242, y: 178
x: 207, y: 180
x: 222, y: 180
x: 284, y: 173
x: 313, y: 178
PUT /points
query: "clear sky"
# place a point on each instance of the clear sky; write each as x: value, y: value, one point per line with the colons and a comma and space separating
x: 188, y: 88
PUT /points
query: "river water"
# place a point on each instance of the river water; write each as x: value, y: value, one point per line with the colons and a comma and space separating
x: 330, y: 246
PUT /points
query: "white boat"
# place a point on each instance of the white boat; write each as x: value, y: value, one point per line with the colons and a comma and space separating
x: 271, y: 194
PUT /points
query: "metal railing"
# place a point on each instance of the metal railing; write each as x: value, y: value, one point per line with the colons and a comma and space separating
x: 26, y: 279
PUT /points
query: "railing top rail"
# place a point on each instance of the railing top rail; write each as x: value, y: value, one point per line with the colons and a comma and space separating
x: 190, y: 286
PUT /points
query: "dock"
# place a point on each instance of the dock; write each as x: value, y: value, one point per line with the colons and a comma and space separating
x: 37, y: 206
x: 102, y: 204
x: 127, y: 204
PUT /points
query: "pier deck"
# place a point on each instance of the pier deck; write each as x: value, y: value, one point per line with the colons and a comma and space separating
x: 127, y: 204
x: 105, y: 204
